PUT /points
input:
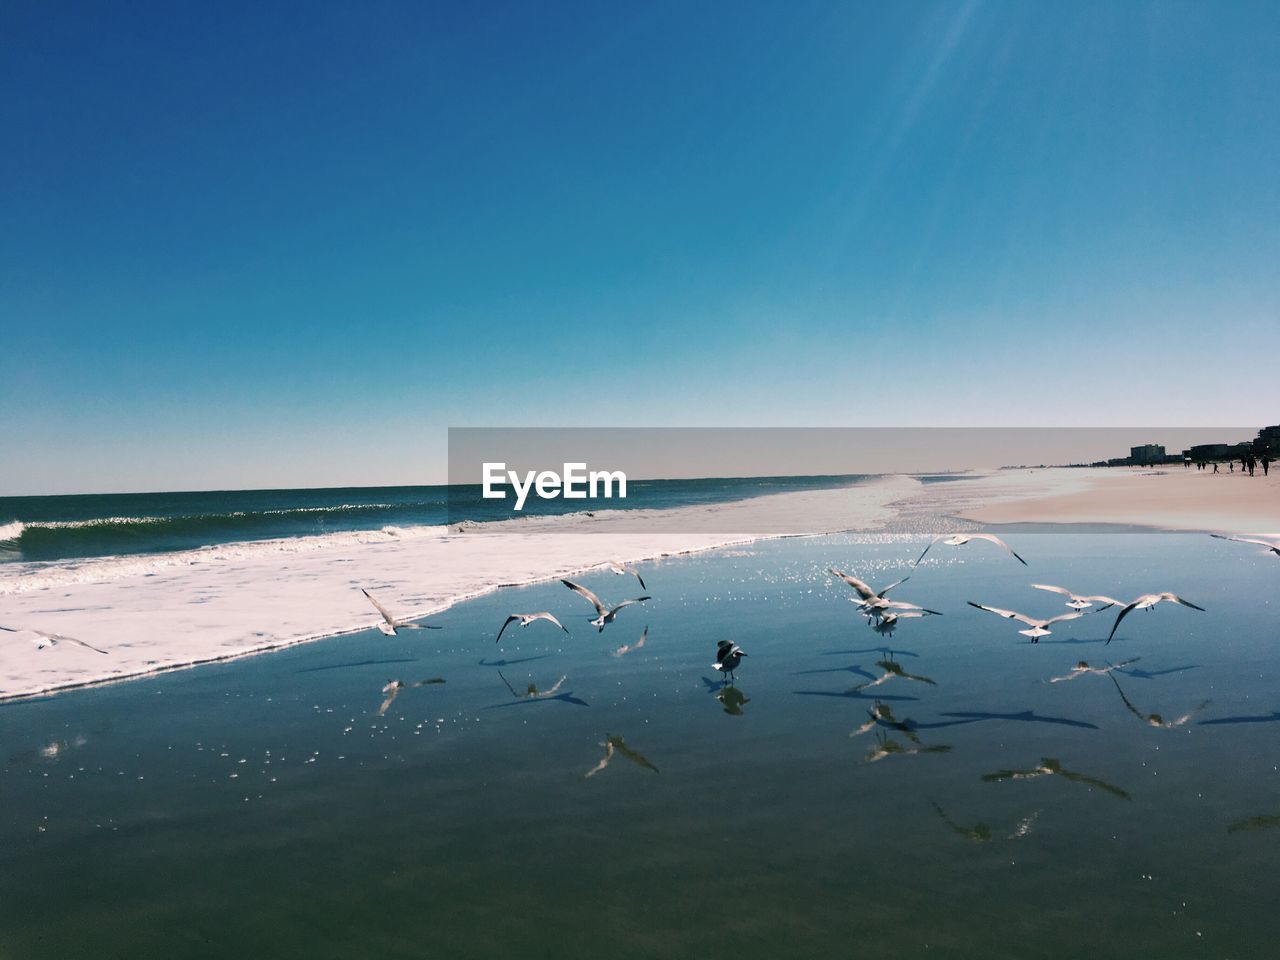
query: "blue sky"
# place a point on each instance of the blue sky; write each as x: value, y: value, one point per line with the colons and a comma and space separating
x: 258, y: 245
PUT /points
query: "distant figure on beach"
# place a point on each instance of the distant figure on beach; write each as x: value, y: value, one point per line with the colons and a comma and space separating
x: 1215, y: 468
x: 1266, y: 465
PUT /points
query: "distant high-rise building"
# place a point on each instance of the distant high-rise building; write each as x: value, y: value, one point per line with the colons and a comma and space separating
x: 1147, y: 453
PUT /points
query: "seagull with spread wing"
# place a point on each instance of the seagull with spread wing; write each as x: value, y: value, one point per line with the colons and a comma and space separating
x: 1076, y: 601
x: 46, y: 639
x: 875, y: 604
x: 1039, y: 628
x: 622, y: 570
x: 605, y: 614
x: 1146, y: 602
x: 391, y: 624
x: 526, y: 619
x: 960, y: 539
x: 1272, y: 545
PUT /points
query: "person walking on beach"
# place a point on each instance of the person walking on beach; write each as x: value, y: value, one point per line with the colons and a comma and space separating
x: 1215, y: 467
x: 1266, y: 463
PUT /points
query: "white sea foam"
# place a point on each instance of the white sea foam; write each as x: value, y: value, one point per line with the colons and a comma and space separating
x: 156, y: 612
x: 11, y: 531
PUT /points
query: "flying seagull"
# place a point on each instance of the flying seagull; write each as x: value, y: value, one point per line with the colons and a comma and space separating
x: 960, y: 539
x: 1146, y: 602
x: 52, y: 639
x: 393, y: 688
x: 1051, y: 767
x: 728, y: 656
x: 875, y: 604
x: 391, y: 624
x: 526, y: 619
x: 889, y: 622
x: 606, y: 614
x: 1272, y: 545
x: 626, y: 648
x: 1155, y: 719
x: 1082, y: 669
x: 622, y: 570
x: 1078, y: 602
x: 1039, y: 628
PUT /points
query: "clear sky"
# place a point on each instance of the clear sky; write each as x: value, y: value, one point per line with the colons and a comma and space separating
x: 290, y: 244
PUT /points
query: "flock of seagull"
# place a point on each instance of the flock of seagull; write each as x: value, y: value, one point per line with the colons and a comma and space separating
x: 882, y: 613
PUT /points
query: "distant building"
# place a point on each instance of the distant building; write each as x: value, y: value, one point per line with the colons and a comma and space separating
x: 1268, y: 442
x: 1147, y: 453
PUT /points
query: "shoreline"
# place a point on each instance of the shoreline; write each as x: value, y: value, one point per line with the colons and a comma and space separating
x: 158, y: 613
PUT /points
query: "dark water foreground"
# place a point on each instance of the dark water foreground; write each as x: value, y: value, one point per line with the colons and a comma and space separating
x: 262, y: 809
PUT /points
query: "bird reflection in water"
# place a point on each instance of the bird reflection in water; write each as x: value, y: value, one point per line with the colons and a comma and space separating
x: 393, y: 688
x: 891, y: 669
x: 1155, y: 719
x: 613, y: 746
x: 981, y: 832
x: 881, y: 715
x: 1052, y: 767
x: 1265, y: 822
x: 1082, y: 669
x: 731, y: 698
x: 531, y: 691
x: 886, y: 747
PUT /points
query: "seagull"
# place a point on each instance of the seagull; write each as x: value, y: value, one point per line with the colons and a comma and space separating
x: 1272, y: 545
x: 626, y: 648
x: 875, y: 604
x: 606, y: 614
x: 1039, y: 628
x: 889, y: 622
x: 960, y: 539
x: 891, y: 669
x: 728, y: 656
x: 1155, y: 719
x: 622, y: 570
x: 533, y: 692
x: 1082, y: 669
x: 1077, y: 602
x: 1050, y: 767
x: 612, y: 744
x: 526, y: 619
x: 1146, y: 602
x: 391, y: 624
x: 52, y: 639
x: 393, y: 688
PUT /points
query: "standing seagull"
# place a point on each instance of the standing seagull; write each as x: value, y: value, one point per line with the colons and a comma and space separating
x: 1039, y: 628
x: 1146, y: 602
x: 960, y: 539
x: 889, y: 622
x: 391, y: 624
x: 1077, y: 602
x: 728, y: 656
x: 1272, y: 545
x: 622, y: 570
x: 53, y: 639
x: 526, y: 619
x: 606, y: 614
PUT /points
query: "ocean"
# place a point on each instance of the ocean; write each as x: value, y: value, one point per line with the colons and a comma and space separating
x: 261, y: 807
x: 34, y: 529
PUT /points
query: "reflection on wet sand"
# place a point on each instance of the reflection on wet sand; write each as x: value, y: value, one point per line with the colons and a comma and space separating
x: 981, y: 832
x: 1052, y: 767
x: 1155, y: 719
x: 614, y: 745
